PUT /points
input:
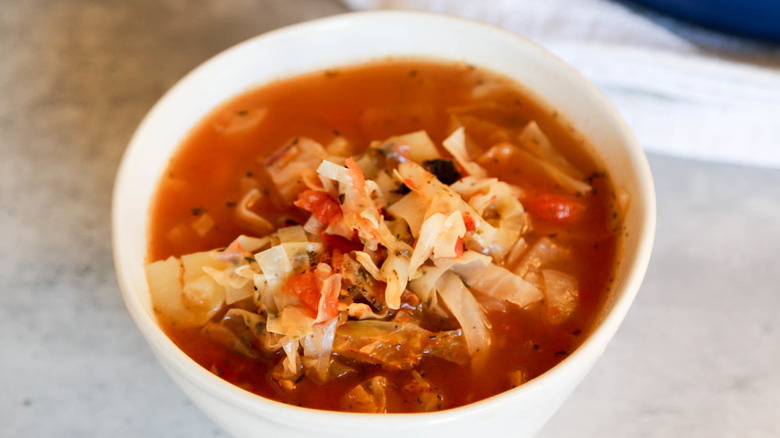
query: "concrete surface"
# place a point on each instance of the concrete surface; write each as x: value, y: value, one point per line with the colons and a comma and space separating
x: 696, y: 357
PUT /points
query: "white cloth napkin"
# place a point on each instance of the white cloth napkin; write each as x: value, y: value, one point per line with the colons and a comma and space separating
x: 684, y: 90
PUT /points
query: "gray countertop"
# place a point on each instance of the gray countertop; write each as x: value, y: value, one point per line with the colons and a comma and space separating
x: 697, y: 355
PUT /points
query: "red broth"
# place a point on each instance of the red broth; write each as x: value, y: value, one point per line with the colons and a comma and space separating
x: 363, y: 104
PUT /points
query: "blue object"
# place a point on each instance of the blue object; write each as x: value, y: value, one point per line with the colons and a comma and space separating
x: 751, y: 18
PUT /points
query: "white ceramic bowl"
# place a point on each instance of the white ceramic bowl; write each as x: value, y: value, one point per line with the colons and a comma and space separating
x: 353, y: 39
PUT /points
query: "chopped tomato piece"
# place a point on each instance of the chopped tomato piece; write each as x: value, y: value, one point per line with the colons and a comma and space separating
x: 557, y: 208
x: 469, y: 222
x: 459, y: 247
x: 305, y: 287
x: 340, y: 243
x: 324, y: 208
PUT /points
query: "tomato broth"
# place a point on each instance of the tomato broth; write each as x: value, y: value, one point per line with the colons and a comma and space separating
x: 228, y: 151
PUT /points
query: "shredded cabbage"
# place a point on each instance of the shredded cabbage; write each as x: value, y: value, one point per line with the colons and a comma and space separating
x: 372, y: 261
x: 466, y: 309
x: 562, y: 294
x: 456, y: 145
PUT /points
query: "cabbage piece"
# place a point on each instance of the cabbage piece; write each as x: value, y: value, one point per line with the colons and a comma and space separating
x: 364, y: 311
x: 507, y: 151
x: 246, y: 216
x: 292, y: 234
x: 411, y: 209
x: 470, y: 186
x: 498, y: 282
x: 333, y: 171
x: 534, y: 141
x: 400, y: 230
x: 456, y: 145
x: 203, y: 296
x: 317, y: 348
x: 253, y: 321
x: 278, y: 264
x: 369, y: 396
x: 441, y: 198
x: 230, y: 339
x: 360, y: 283
x: 271, y: 342
x: 438, y: 237
x: 360, y: 211
x: 253, y: 244
x: 396, y: 345
x: 194, y: 263
x: 236, y: 272
x: 429, y: 398
x: 396, y: 271
x: 313, y: 226
x: 453, y: 229
x: 228, y: 268
x: 189, y: 304
x: 481, y: 275
x: 164, y: 279
x: 292, y: 321
x: 236, y: 277
x: 562, y: 294
x: 367, y: 165
x: 293, y: 164
x: 338, y: 147
x: 388, y: 187
x: 424, y: 285
x: 421, y: 147
x: 236, y: 331
x: 237, y: 287
x: 203, y: 224
x: 517, y: 251
x: 368, y: 264
x: 465, y: 308
x: 429, y: 233
x: 497, y: 201
x: 292, y: 364
x: 478, y: 127
x: 544, y: 253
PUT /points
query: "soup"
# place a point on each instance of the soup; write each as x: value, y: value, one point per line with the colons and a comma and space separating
x: 402, y: 236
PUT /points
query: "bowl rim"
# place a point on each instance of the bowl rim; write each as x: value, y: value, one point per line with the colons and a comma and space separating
x: 592, y: 346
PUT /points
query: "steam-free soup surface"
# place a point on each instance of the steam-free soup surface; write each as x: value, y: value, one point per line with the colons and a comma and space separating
x: 566, y: 231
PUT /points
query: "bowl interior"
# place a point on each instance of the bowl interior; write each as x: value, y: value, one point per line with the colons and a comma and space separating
x: 353, y: 39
